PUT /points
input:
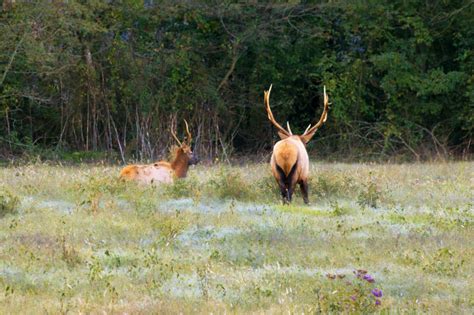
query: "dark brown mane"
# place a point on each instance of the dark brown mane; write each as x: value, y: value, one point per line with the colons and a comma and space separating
x: 180, y: 163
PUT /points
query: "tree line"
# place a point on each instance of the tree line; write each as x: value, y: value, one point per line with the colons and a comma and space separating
x: 116, y: 76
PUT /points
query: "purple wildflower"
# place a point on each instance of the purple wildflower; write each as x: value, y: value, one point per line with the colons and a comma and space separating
x: 353, y: 297
x: 368, y: 278
x: 377, y: 302
x: 360, y: 272
x: 377, y: 292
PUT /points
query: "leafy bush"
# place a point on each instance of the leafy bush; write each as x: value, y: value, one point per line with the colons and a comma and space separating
x: 170, y: 225
x: 228, y: 183
x: 360, y: 295
x: 9, y: 202
x: 369, y: 196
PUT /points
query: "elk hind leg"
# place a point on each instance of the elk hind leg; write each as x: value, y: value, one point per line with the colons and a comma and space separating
x: 286, y: 183
x: 284, y: 191
x: 291, y: 188
x: 291, y: 181
x: 304, y: 190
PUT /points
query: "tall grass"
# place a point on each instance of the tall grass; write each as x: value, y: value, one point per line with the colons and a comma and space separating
x: 76, y: 239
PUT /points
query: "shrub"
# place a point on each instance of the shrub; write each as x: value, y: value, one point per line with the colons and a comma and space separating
x: 229, y: 184
x: 369, y: 196
x: 170, y: 225
x: 362, y: 294
x: 9, y: 202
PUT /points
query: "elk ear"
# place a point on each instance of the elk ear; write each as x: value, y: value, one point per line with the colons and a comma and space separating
x: 307, y: 137
x: 282, y: 135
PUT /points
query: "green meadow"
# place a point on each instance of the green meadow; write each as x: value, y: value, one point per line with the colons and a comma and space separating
x: 74, y: 239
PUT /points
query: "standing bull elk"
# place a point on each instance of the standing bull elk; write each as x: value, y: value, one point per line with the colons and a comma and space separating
x: 289, y: 161
x: 163, y: 171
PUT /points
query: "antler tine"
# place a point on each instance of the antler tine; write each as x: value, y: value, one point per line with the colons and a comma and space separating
x: 187, y: 131
x: 307, y: 128
x: 270, y: 114
x: 288, y: 127
x: 324, y: 115
x: 176, y: 138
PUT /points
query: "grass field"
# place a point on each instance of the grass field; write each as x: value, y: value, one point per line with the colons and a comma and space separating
x: 75, y: 239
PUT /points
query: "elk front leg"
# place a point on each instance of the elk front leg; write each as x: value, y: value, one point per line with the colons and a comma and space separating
x: 304, y: 190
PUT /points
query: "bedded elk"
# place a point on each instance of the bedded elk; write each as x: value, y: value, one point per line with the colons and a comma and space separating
x: 289, y: 161
x: 163, y: 171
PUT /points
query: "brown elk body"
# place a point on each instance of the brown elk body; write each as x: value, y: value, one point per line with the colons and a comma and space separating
x: 290, y: 161
x: 163, y: 171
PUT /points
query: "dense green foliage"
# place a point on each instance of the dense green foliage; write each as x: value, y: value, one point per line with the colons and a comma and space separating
x: 116, y: 75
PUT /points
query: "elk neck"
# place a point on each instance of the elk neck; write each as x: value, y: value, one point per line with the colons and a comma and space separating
x: 180, y: 163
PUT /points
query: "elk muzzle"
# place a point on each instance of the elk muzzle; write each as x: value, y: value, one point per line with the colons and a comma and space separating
x: 193, y: 159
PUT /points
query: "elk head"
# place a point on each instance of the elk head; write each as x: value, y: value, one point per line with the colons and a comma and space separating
x: 185, y: 146
x: 289, y: 161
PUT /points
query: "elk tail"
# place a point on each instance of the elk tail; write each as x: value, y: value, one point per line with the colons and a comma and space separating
x: 287, y: 177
